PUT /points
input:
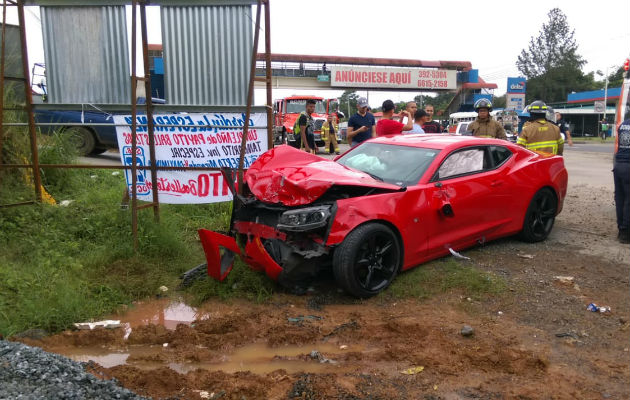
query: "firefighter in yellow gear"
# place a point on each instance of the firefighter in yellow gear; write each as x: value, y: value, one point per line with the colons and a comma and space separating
x: 329, y: 134
x: 485, y: 126
x: 541, y: 135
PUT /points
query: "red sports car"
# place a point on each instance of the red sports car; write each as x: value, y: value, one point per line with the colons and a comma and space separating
x: 383, y: 207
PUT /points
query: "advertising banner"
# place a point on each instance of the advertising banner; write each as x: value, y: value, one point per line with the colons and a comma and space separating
x: 397, y: 78
x: 191, y: 144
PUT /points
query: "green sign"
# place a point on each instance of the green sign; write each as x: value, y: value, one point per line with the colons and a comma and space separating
x: 323, y: 78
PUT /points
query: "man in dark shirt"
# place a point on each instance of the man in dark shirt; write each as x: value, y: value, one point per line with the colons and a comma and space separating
x: 564, y: 129
x: 621, y: 175
x: 431, y: 126
x: 305, y: 127
x: 361, y: 126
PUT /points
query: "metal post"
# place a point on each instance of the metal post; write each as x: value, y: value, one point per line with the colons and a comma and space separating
x: 250, y: 94
x: 149, y: 106
x: 268, y: 76
x: 28, y: 96
x: 2, y: 61
x: 606, y: 94
x: 134, y: 114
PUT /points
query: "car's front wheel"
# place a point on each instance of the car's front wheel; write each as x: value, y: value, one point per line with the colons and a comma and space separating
x: 540, y: 216
x: 368, y: 260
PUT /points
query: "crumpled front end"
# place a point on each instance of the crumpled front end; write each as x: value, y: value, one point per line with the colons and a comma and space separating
x: 286, y: 243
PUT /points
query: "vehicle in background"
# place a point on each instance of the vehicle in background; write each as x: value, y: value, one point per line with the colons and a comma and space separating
x: 287, y: 110
x: 455, y: 119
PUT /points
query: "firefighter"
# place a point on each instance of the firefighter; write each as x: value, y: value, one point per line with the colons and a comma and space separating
x: 540, y: 134
x: 484, y: 125
x: 329, y: 134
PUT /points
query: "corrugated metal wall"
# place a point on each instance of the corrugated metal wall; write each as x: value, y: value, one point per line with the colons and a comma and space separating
x: 207, y: 54
x: 86, y: 53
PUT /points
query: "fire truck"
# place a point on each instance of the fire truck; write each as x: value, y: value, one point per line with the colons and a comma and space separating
x: 288, y: 110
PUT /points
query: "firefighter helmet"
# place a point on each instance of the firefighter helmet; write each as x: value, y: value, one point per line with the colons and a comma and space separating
x: 538, y: 108
x: 483, y: 103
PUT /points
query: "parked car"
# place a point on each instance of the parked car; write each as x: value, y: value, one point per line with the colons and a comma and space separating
x: 88, y: 138
x: 383, y: 207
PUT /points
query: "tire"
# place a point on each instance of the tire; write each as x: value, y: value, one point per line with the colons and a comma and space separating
x: 82, y: 139
x: 540, y: 216
x: 368, y: 260
x: 99, y: 150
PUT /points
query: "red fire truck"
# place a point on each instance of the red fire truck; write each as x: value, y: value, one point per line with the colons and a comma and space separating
x: 287, y: 111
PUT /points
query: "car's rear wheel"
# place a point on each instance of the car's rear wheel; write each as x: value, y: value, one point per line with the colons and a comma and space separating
x: 540, y: 216
x: 368, y: 260
x: 82, y: 139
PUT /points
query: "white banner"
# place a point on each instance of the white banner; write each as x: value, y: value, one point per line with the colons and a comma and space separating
x: 398, y: 78
x: 192, y: 144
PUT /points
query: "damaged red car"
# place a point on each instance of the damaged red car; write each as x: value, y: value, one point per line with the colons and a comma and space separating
x: 383, y: 207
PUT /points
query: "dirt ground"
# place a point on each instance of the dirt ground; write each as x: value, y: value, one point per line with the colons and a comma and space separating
x: 537, y: 341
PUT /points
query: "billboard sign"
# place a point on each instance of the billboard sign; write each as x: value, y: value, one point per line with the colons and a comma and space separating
x: 393, y: 78
x: 516, y: 85
x: 515, y: 101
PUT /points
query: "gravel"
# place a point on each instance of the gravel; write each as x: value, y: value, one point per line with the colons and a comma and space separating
x: 31, y: 373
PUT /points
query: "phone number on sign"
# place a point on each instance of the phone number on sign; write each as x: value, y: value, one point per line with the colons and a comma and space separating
x: 432, y: 83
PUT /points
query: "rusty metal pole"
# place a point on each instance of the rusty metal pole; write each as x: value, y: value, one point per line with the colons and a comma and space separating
x: 250, y: 95
x: 270, y: 134
x: 134, y: 172
x: 2, y: 61
x: 149, y: 107
x: 29, y: 104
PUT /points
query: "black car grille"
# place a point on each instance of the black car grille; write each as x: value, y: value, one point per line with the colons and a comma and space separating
x: 317, y: 124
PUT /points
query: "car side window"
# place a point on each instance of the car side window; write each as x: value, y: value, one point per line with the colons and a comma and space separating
x: 499, y: 155
x: 463, y: 162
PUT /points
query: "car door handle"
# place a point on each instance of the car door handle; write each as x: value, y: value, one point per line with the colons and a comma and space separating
x: 496, y: 183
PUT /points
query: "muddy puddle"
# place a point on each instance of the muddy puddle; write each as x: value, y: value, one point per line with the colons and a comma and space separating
x: 257, y: 358
x: 166, y: 314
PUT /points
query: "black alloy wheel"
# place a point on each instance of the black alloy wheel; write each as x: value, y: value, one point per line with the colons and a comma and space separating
x: 368, y: 260
x: 540, y: 216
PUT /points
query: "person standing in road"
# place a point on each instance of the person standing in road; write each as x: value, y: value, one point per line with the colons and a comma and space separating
x: 431, y: 126
x: 621, y: 176
x: 387, y: 125
x: 540, y: 134
x: 564, y: 128
x: 329, y: 134
x: 361, y: 126
x: 304, y: 128
x: 420, y: 117
x: 485, y: 125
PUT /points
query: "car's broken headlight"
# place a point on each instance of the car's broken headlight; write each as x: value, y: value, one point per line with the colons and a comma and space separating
x: 304, y: 219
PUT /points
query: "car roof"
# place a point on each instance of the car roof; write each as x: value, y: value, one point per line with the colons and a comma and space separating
x: 439, y: 141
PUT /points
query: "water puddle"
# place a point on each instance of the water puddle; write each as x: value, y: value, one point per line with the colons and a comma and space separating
x: 256, y: 358
x: 160, y: 312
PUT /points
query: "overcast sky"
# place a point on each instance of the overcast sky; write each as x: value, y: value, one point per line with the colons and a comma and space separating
x: 490, y: 34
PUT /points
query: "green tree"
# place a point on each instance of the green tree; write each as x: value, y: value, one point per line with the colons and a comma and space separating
x: 348, y: 102
x: 551, y: 63
x: 499, y: 101
x: 439, y: 102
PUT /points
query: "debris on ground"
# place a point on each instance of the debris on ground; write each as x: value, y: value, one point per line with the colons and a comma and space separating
x: 316, y: 355
x: 467, y: 330
x: 458, y: 255
x: 413, y: 370
x: 565, y: 280
x: 595, y: 308
x: 528, y: 256
x: 107, y: 324
x: 302, y: 318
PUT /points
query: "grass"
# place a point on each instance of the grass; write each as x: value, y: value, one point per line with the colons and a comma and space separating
x: 65, y: 264
x: 442, y: 276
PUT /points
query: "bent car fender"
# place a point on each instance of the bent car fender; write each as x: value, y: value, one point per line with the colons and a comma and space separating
x: 219, y: 266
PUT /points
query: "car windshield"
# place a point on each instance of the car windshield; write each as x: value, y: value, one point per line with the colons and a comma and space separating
x: 297, y: 106
x: 400, y: 165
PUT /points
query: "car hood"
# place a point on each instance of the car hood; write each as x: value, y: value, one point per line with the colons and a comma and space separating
x: 292, y: 177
